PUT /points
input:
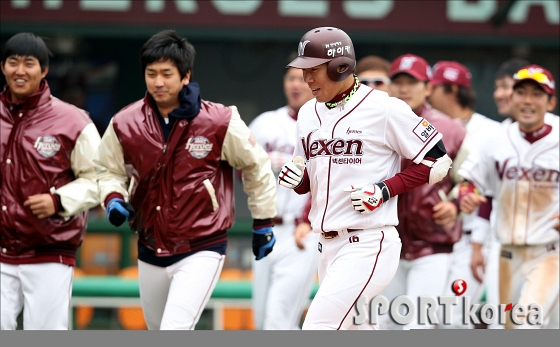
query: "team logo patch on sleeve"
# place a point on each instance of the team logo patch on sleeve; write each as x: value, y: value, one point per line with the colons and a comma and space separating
x: 424, y: 130
x: 47, y: 146
x: 199, y: 147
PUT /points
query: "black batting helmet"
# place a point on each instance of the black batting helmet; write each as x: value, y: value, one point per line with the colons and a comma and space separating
x: 326, y: 45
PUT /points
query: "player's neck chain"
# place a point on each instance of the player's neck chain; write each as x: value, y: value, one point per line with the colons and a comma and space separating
x: 345, y: 99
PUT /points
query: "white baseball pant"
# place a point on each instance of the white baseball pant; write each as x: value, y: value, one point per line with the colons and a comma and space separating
x: 352, y: 265
x: 282, y: 281
x: 491, y: 278
x: 530, y: 274
x: 461, y: 269
x: 174, y: 297
x: 43, y: 290
x: 428, y: 275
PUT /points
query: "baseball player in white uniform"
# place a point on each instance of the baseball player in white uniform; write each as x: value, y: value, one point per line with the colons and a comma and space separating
x: 453, y: 95
x: 521, y: 166
x: 282, y: 281
x: 352, y: 138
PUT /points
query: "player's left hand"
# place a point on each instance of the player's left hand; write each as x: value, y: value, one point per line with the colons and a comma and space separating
x: 365, y: 197
x: 445, y: 214
x: 263, y: 241
x: 41, y: 205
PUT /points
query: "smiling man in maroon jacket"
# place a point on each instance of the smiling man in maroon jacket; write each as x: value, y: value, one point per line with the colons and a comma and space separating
x: 47, y: 185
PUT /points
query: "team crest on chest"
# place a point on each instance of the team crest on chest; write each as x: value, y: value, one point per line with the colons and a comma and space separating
x: 47, y: 146
x: 199, y: 146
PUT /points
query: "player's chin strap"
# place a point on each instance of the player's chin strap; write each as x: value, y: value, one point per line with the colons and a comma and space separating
x: 439, y: 168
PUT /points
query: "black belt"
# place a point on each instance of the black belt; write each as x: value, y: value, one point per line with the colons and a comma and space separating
x: 277, y: 220
x: 333, y: 234
x: 467, y: 232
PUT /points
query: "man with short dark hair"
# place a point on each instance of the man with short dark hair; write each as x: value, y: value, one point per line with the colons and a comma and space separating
x: 503, y: 85
x: 47, y: 185
x: 166, y: 163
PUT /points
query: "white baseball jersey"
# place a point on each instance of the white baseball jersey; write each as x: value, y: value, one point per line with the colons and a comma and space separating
x: 282, y: 281
x: 479, y: 129
x: 524, y: 178
x: 276, y: 131
x: 360, y: 142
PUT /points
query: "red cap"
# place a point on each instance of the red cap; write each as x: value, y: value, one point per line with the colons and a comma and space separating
x: 538, y: 74
x: 413, y: 65
x: 451, y: 72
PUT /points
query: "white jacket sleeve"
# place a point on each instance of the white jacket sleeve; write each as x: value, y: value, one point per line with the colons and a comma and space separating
x: 242, y: 151
x: 109, y: 165
x: 81, y: 194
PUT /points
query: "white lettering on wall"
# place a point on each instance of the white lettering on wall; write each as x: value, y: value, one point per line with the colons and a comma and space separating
x: 105, y: 5
x: 371, y: 9
x: 468, y: 11
x: 52, y: 4
x: 520, y: 11
x: 246, y: 8
x: 478, y: 11
x: 182, y: 6
x: 21, y: 3
x: 303, y: 8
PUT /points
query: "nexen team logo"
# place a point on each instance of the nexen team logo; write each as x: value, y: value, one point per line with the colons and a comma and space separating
x: 537, y: 175
x: 199, y: 146
x: 335, y: 148
x: 47, y: 146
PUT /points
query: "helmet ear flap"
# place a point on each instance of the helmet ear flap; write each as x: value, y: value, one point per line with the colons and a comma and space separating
x: 340, y: 68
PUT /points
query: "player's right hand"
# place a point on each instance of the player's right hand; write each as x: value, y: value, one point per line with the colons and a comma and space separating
x: 365, y: 197
x: 118, y: 211
x: 291, y: 176
x: 470, y: 202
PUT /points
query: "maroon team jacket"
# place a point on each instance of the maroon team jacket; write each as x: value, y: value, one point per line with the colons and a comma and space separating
x: 37, y: 139
x: 174, y: 213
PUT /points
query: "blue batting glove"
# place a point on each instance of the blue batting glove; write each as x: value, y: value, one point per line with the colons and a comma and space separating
x: 119, y: 211
x: 263, y: 241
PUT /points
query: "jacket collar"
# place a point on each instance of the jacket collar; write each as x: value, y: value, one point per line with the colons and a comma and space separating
x: 189, y: 98
x: 40, y: 97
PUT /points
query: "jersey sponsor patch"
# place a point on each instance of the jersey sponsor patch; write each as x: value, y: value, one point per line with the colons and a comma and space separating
x: 199, y: 146
x: 424, y: 130
x: 47, y: 146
